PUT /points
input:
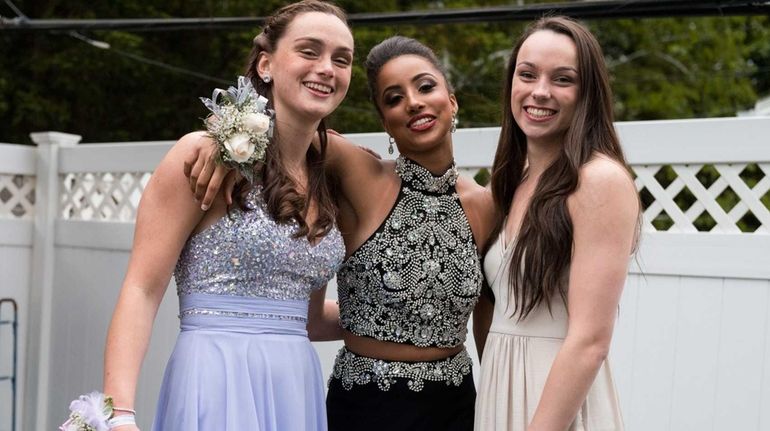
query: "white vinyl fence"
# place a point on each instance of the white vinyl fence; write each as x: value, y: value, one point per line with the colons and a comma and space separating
x: 692, y: 345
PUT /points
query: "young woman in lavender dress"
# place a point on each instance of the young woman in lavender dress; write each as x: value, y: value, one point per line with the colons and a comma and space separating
x: 245, y: 274
x: 413, y: 231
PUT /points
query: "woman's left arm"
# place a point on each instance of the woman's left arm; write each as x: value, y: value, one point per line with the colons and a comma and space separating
x: 482, y: 318
x: 604, y: 211
x: 323, y: 323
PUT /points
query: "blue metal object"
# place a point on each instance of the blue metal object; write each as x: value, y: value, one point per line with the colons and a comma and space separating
x: 14, y: 322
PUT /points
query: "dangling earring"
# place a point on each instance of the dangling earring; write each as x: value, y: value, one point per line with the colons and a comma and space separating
x: 266, y: 79
x: 391, y: 141
x: 454, y: 124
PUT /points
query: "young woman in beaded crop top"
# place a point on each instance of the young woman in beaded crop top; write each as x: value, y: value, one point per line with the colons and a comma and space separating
x: 413, y: 231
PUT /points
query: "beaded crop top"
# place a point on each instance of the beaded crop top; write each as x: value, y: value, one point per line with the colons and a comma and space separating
x: 418, y: 277
x: 246, y: 253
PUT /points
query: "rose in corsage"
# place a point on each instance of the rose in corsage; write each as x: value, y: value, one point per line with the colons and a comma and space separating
x: 239, y: 147
x: 241, y: 125
x: 257, y: 122
x: 89, y: 412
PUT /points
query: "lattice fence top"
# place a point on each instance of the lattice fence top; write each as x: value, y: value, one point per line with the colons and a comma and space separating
x: 17, y: 196
x: 730, y: 197
x: 717, y: 198
x: 105, y: 196
x: 726, y: 197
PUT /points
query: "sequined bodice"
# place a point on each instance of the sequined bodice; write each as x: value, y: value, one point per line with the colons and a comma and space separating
x: 418, y: 277
x: 249, y: 254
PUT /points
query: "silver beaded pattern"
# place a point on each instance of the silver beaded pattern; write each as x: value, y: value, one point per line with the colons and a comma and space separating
x: 417, y: 279
x: 240, y: 314
x: 351, y: 369
x: 246, y: 253
x: 421, y: 178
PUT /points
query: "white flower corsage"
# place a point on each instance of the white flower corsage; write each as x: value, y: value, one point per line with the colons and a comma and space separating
x: 89, y: 412
x: 240, y: 124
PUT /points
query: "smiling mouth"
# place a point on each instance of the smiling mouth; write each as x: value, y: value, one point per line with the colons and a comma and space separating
x: 321, y: 88
x: 421, y: 122
x: 540, y: 112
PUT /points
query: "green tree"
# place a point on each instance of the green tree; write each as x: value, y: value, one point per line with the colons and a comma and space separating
x: 679, y: 68
x: 662, y: 68
x: 50, y: 81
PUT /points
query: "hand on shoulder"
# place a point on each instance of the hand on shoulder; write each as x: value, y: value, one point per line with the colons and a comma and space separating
x: 169, y: 176
x: 194, y: 143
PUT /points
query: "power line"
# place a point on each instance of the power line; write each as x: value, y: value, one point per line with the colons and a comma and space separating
x: 15, y: 9
x: 106, y: 46
x: 171, y: 68
x: 605, y: 9
x: 586, y: 9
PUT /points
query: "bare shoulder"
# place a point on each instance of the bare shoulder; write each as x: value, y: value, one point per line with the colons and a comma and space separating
x: 192, y: 142
x: 479, y: 208
x: 601, y: 169
x: 336, y: 141
x: 186, y: 149
x: 345, y: 156
x: 604, y: 175
x: 476, y: 195
x: 604, y: 186
x: 168, y: 187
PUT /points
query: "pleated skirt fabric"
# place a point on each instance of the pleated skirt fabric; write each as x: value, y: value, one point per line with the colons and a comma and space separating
x: 514, y: 370
x: 518, y: 356
x: 243, y: 373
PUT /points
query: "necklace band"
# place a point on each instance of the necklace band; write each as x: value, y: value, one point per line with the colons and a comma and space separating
x: 419, y: 178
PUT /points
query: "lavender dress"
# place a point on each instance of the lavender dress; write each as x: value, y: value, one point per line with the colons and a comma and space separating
x: 243, y: 360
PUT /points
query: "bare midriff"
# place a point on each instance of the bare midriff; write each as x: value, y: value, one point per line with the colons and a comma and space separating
x: 390, y: 351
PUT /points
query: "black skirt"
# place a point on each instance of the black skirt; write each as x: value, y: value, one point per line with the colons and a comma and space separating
x: 437, y: 406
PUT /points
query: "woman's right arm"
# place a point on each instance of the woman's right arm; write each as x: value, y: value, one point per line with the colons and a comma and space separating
x: 166, y: 216
x: 206, y: 177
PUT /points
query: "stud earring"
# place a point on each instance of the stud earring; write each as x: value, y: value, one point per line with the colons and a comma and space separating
x: 454, y: 124
x: 391, y: 141
x: 267, y: 79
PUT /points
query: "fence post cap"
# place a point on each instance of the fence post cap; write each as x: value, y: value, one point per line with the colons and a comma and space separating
x: 60, y: 138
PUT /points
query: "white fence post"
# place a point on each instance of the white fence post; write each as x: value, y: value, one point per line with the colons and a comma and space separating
x: 41, y: 279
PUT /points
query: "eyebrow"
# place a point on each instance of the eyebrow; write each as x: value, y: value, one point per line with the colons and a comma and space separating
x: 416, y: 78
x: 317, y: 41
x: 558, y: 69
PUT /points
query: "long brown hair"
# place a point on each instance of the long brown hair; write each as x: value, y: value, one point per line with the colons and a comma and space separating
x: 284, y: 202
x: 543, y: 248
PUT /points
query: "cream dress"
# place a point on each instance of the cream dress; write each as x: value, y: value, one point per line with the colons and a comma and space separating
x: 518, y: 356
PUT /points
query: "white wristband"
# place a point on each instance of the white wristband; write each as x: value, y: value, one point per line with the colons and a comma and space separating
x: 121, y: 420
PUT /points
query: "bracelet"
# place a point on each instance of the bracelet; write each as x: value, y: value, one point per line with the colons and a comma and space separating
x: 121, y: 420
x: 125, y: 410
